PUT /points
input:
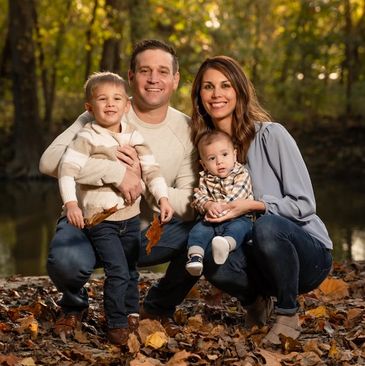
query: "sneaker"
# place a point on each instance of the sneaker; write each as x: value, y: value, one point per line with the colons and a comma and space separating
x: 195, y: 265
x: 220, y: 249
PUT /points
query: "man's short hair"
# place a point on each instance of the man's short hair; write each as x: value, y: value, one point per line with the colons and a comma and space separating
x: 153, y: 44
x: 98, y: 78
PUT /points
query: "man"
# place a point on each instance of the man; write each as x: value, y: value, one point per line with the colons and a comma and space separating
x: 153, y: 77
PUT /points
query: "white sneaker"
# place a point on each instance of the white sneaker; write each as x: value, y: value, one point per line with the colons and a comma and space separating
x: 220, y: 249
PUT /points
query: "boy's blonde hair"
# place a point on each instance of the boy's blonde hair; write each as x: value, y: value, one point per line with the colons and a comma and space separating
x: 98, y: 78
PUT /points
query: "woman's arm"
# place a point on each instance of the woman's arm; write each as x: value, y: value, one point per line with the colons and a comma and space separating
x: 297, y: 200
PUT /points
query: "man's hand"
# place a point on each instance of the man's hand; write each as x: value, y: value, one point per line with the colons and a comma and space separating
x: 128, y: 155
x: 166, y: 210
x: 74, y: 214
x: 130, y: 187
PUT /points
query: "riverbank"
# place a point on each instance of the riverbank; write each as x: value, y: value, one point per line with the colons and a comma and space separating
x: 211, y: 328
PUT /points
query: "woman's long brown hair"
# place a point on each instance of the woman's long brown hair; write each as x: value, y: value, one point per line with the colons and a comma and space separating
x: 247, y: 112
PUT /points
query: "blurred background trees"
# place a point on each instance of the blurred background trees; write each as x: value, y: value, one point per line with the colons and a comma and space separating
x: 305, y: 57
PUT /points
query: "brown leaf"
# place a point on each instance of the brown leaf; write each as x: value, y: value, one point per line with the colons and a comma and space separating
x: 9, y: 360
x: 153, y: 234
x: 147, y: 327
x: 133, y: 343
x: 100, y: 216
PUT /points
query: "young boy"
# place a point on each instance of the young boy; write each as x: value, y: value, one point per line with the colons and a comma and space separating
x: 223, y: 180
x: 116, y: 239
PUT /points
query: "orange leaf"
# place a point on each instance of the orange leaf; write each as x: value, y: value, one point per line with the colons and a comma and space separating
x: 334, y: 288
x: 153, y: 234
x: 100, y: 216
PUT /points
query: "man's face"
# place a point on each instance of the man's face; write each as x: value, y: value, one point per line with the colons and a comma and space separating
x: 153, y: 81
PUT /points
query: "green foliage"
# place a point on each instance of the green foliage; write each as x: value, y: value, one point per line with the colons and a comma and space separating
x: 294, y: 51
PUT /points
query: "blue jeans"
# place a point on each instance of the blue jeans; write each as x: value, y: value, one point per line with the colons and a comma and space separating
x: 282, y: 260
x: 117, y: 245
x: 203, y: 232
x: 72, y: 260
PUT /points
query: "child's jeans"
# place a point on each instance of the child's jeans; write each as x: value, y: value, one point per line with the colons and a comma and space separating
x: 117, y: 245
x: 203, y: 232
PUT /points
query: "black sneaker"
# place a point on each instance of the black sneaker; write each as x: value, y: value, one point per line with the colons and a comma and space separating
x: 195, y: 265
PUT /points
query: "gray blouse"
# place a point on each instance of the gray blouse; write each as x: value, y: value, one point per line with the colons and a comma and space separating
x: 281, y: 180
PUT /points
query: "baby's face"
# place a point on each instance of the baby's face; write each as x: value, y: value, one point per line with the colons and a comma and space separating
x: 108, y: 105
x: 218, y: 158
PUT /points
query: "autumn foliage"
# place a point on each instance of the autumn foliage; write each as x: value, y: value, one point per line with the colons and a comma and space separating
x: 211, y: 328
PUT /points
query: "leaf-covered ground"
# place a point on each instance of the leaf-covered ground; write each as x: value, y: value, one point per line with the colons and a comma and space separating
x: 211, y: 324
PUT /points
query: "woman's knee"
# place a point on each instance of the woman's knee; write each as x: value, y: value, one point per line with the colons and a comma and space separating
x: 267, y: 232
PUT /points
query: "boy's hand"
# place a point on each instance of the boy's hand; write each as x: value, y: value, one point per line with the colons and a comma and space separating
x: 74, y: 214
x: 166, y: 210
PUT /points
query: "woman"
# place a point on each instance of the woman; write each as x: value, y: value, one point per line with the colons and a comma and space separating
x: 290, y: 251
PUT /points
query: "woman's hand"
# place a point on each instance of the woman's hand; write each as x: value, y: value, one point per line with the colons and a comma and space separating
x: 238, y: 208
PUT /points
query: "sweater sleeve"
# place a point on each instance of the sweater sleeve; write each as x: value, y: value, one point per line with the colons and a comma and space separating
x: 72, y: 161
x: 297, y: 202
x: 93, y: 173
x: 151, y: 172
x: 180, y: 195
x: 201, y: 196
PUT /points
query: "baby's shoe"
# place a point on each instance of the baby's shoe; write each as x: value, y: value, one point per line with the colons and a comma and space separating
x: 195, y: 265
x: 220, y: 249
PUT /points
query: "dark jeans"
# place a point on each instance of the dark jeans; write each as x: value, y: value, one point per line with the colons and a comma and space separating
x: 72, y: 260
x: 203, y: 232
x: 282, y: 260
x: 117, y: 245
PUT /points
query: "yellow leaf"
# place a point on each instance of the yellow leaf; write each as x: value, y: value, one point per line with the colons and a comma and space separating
x: 156, y: 340
x: 318, y: 312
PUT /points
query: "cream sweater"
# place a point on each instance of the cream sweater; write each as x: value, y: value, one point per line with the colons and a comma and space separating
x: 97, y: 142
x: 170, y: 144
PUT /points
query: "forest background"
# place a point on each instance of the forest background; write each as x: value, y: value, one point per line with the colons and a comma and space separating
x: 305, y: 57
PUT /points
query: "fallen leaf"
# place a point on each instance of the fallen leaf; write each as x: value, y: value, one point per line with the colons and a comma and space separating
x: 334, y: 289
x: 318, y: 312
x: 156, y: 340
x: 100, y: 216
x: 153, y: 234
x: 133, y: 343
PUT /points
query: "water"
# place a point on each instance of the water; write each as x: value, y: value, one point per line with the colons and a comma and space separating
x: 29, y: 211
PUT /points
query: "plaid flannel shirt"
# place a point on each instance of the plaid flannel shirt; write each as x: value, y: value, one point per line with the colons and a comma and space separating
x: 212, y: 188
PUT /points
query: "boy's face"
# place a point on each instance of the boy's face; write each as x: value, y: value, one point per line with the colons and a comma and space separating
x: 218, y: 157
x: 108, y: 105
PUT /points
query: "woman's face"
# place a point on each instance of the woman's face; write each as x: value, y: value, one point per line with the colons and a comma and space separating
x: 218, y: 97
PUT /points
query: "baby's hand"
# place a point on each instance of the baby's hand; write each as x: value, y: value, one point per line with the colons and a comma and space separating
x: 74, y: 214
x: 215, y: 209
x: 166, y: 210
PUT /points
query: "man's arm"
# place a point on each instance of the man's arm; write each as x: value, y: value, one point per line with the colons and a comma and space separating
x: 51, y: 158
x: 181, y: 194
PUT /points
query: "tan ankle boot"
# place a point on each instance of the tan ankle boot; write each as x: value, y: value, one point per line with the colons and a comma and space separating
x: 285, y: 325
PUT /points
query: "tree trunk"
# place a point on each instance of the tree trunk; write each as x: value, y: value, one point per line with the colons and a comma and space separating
x: 27, y: 140
x: 139, y: 20
x: 111, y: 56
x: 89, y: 44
